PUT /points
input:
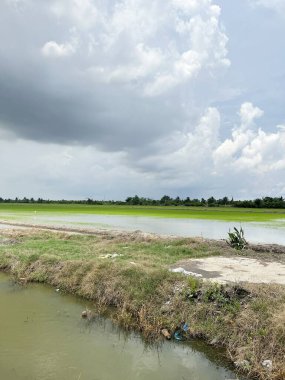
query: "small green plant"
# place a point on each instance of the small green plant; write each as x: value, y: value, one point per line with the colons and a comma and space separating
x: 194, y: 283
x: 236, y: 239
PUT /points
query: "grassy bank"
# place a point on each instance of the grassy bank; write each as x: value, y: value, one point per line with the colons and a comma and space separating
x: 129, y: 271
x: 13, y: 211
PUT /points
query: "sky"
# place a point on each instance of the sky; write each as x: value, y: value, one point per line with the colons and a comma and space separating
x: 111, y: 98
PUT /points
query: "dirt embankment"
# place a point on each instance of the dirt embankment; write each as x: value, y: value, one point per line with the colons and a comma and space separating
x: 130, y: 272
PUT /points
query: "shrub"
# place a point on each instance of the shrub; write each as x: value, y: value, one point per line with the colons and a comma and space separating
x: 236, y: 239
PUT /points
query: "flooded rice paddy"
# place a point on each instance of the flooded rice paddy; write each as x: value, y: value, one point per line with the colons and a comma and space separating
x: 256, y: 232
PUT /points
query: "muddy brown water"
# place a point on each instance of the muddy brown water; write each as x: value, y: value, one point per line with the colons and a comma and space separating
x: 42, y: 337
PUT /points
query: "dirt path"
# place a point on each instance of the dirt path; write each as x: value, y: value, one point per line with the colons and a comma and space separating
x: 235, y: 269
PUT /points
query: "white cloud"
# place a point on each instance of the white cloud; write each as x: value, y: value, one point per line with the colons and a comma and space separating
x: 144, y: 62
x: 241, y: 136
x: 276, y: 5
x: 152, y: 46
x: 53, y: 49
x: 205, y: 49
x: 265, y: 153
x: 250, y: 150
x: 248, y: 113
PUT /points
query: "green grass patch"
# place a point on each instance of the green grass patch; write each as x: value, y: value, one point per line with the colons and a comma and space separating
x: 21, y: 211
x: 150, y: 253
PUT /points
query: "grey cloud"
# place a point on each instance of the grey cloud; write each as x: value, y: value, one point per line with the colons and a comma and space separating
x: 58, y: 99
x: 101, y: 116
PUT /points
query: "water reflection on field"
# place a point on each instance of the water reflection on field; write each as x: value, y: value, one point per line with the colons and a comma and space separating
x: 272, y: 232
x: 255, y: 232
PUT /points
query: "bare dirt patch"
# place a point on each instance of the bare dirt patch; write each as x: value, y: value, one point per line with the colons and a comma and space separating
x: 236, y: 269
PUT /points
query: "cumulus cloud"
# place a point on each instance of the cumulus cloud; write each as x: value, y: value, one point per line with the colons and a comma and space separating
x: 250, y: 149
x: 202, y: 158
x: 240, y: 138
x: 116, y: 74
x: 53, y: 49
x: 248, y: 113
x: 129, y: 45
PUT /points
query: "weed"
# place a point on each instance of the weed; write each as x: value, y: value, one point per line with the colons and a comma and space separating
x: 194, y: 283
x: 236, y: 239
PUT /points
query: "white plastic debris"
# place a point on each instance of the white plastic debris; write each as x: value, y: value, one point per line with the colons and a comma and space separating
x: 110, y: 256
x: 267, y: 364
x: 186, y: 272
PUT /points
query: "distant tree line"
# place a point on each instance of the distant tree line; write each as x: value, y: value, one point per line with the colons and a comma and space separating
x: 266, y: 202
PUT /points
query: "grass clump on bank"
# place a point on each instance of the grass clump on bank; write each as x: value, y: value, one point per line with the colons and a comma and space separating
x: 247, y: 320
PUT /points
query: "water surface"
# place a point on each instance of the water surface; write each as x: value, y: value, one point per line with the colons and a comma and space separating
x: 43, y: 337
x: 257, y: 232
x: 273, y: 232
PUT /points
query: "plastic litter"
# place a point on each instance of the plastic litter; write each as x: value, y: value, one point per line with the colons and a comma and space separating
x: 178, y: 336
x: 185, y: 327
x: 267, y: 364
x: 180, y: 331
x: 186, y: 272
